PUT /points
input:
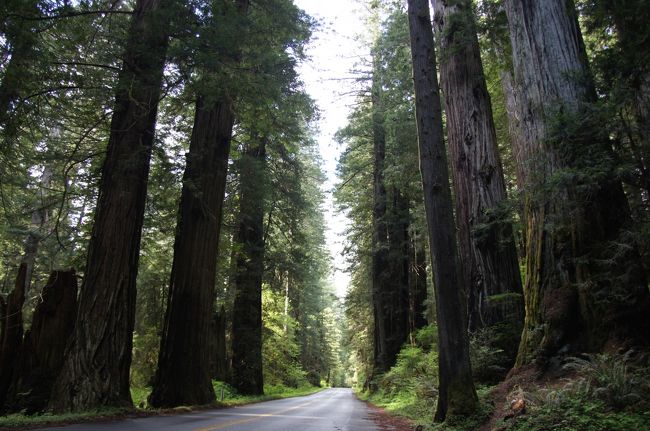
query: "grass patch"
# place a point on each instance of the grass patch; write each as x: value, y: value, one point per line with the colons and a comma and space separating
x: 139, y: 395
x: 271, y: 392
x: 23, y: 421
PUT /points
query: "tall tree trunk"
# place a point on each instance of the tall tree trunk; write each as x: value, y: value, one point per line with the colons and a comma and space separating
x: 44, y: 344
x: 96, y: 369
x: 457, y: 395
x: 488, y: 255
x: 583, y: 288
x: 11, y: 333
x: 183, y: 375
x: 381, y: 362
x: 247, y: 311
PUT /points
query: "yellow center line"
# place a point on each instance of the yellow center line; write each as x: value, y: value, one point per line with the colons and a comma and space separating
x: 224, y: 425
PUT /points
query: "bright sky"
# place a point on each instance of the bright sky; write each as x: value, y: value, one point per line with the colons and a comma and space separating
x: 334, y: 52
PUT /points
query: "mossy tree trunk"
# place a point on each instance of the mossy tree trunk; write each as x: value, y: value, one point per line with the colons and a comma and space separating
x: 457, y: 395
x: 585, y: 287
x: 96, y: 369
x: 488, y: 255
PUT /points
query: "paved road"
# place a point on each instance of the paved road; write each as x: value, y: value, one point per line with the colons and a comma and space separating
x: 329, y: 410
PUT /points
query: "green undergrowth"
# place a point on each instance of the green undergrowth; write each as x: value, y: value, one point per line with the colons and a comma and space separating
x: 24, y: 421
x: 409, y: 389
x: 139, y: 395
x: 600, y: 392
x: 608, y: 392
x: 271, y: 392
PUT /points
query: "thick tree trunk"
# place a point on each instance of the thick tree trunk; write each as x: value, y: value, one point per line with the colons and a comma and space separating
x: 488, y: 255
x: 380, y: 261
x: 247, y: 311
x: 96, y: 369
x: 584, y: 288
x: 457, y: 395
x: 183, y: 376
x: 42, y: 352
x: 11, y: 333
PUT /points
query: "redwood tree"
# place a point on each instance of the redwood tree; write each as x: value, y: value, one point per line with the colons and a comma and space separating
x: 457, y: 395
x: 584, y: 285
x: 184, y: 373
x: 488, y: 255
x: 96, y: 369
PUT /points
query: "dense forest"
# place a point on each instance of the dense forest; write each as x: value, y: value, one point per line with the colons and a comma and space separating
x: 163, y: 232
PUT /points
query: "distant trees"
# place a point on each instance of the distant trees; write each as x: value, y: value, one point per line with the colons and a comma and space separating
x: 243, y: 61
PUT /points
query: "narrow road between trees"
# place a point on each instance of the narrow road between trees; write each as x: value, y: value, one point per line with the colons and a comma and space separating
x: 329, y: 410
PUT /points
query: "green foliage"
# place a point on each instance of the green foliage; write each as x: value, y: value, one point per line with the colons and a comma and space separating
x: 20, y: 421
x: 409, y: 388
x: 271, y: 392
x: 614, y: 379
x: 608, y: 392
x: 578, y: 414
x: 280, y: 348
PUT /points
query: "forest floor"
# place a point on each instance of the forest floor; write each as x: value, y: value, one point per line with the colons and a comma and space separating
x: 597, y: 393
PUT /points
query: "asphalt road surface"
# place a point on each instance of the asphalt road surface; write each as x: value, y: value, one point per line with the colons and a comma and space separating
x: 329, y: 410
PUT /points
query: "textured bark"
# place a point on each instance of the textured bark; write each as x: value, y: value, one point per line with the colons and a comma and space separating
x: 380, y: 262
x: 457, y: 395
x: 247, y: 311
x: 11, y: 333
x: 583, y: 288
x: 488, y: 255
x: 183, y: 376
x: 42, y: 352
x: 96, y: 368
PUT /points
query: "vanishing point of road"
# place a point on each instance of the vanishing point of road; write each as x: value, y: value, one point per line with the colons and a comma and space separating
x: 328, y: 410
